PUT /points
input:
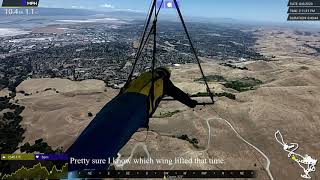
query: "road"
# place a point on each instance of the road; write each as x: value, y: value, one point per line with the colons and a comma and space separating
x: 144, y: 146
x: 267, y: 168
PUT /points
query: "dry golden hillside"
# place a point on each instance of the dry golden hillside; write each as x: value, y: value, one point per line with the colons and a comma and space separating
x: 288, y: 99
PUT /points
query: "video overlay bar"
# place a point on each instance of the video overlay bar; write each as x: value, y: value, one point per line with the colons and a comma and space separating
x: 20, y: 3
x: 55, y: 158
x: 167, y: 174
x: 304, y: 10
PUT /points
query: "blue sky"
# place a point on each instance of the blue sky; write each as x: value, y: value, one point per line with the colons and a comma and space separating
x: 260, y: 10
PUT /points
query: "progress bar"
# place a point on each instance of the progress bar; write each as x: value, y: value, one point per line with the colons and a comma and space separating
x: 167, y: 174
